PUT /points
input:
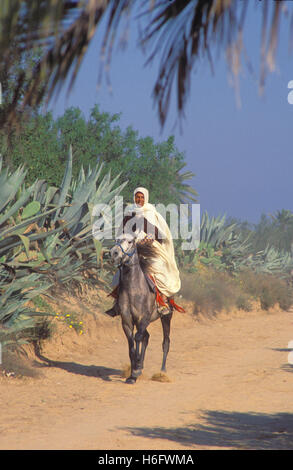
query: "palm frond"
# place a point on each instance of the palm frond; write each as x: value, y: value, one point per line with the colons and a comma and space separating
x: 180, y: 33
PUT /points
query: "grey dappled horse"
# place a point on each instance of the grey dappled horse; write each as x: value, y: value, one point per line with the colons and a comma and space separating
x: 137, y: 304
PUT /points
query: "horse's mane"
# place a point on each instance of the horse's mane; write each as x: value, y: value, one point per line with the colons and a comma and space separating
x: 146, y: 253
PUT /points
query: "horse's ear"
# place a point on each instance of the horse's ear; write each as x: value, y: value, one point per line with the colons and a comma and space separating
x: 135, y: 238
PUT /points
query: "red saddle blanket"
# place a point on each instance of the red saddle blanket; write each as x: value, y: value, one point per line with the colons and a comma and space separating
x: 159, y: 298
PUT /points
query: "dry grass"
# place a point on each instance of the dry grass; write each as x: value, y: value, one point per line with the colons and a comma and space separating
x: 212, y: 291
x: 158, y: 377
x: 17, y: 366
x: 126, y: 371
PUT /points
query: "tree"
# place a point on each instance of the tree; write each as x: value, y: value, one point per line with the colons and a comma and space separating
x: 37, y: 147
x: 181, y: 31
x: 16, y: 77
x: 274, y: 231
x: 44, y: 142
x: 157, y: 166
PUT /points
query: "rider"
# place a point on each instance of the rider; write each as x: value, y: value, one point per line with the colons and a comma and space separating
x: 143, y: 220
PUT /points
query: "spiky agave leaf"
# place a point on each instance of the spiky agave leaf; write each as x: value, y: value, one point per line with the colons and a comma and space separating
x: 271, y: 260
x: 65, y: 185
x: 13, y: 195
x: 15, y: 316
x: 82, y: 194
x: 10, y: 184
x: 14, y: 207
x: 14, y: 229
x: 214, y: 230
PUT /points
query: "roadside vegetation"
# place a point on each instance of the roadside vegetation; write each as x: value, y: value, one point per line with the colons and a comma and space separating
x: 53, y: 173
x: 239, y: 265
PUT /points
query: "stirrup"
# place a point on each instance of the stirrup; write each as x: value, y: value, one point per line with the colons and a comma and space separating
x: 163, y: 310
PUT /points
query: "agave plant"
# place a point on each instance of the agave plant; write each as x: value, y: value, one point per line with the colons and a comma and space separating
x: 18, y: 212
x: 269, y: 260
x: 73, y: 247
x: 219, y: 243
x: 216, y: 232
x: 17, y: 318
x: 45, y: 238
x: 10, y: 185
x: 223, y: 247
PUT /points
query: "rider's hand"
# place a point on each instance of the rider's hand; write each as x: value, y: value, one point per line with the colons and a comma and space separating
x: 147, y: 239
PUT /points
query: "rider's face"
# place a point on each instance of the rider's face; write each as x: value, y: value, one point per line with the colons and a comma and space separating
x: 139, y: 199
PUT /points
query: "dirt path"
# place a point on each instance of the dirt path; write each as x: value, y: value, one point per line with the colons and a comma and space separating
x: 230, y: 388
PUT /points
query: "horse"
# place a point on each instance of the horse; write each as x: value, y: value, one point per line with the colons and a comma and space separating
x: 137, y: 302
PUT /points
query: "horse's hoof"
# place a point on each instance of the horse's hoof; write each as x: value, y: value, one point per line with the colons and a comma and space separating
x: 136, y: 373
x: 130, y: 380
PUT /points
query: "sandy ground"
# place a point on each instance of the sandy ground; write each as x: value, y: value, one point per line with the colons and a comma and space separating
x: 230, y: 387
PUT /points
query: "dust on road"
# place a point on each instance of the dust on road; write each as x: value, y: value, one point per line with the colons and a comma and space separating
x: 230, y: 387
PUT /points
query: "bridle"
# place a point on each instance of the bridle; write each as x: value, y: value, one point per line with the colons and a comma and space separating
x: 125, y: 252
x: 126, y: 264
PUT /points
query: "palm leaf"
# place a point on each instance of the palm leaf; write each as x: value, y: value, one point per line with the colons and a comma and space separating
x: 179, y: 32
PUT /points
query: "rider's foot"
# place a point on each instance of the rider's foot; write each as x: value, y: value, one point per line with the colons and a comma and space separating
x: 167, y: 308
x: 164, y: 310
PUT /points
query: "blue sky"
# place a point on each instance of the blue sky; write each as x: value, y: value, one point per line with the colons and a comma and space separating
x: 242, y: 156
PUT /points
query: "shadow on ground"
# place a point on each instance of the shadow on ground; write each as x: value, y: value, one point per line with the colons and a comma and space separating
x: 101, y: 372
x: 287, y: 367
x: 254, y: 431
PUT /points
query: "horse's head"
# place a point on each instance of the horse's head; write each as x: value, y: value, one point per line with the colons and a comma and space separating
x: 123, y: 249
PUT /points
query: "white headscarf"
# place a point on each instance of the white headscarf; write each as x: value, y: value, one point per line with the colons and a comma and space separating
x: 144, y: 191
x: 147, y: 211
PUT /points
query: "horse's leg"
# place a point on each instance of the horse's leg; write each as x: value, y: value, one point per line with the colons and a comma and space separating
x: 128, y: 330
x: 141, y: 340
x: 141, y: 347
x: 166, y: 323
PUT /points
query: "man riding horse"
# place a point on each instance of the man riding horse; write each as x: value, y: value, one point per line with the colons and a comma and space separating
x: 148, y: 226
